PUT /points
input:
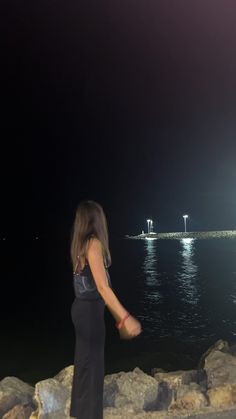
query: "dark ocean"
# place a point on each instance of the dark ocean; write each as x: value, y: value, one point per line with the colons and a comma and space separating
x: 182, y: 291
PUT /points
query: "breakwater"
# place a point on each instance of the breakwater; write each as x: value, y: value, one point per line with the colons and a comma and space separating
x: 187, y: 235
x: 202, y: 393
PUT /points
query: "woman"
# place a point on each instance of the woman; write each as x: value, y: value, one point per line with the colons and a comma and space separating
x: 91, y: 257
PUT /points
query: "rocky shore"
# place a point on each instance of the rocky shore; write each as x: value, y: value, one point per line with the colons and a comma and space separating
x: 209, y: 391
x: 188, y: 235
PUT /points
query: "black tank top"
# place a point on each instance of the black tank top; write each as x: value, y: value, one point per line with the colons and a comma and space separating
x: 84, y: 285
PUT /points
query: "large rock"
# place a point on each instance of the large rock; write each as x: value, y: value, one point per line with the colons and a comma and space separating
x: 110, y: 389
x: 189, y: 397
x: 65, y: 376
x: 220, y: 345
x: 223, y: 396
x: 14, y: 391
x: 220, y: 368
x: 135, y: 389
x: 177, y: 378
x: 19, y: 411
x: 52, y: 399
x: 52, y: 396
x: 183, y: 389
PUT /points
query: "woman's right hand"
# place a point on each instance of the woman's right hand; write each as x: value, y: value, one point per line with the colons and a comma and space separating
x: 131, y: 328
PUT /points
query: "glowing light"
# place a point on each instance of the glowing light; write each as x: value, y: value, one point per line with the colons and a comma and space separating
x: 185, y: 223
x: 187, y: 240
x: 148, y: 223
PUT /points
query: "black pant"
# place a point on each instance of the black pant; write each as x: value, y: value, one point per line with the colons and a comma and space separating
x: 88, y: 378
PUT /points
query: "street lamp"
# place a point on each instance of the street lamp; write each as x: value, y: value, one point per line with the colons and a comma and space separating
x: 185, y: 218
x: 151, y: 227
x: 148, y: 223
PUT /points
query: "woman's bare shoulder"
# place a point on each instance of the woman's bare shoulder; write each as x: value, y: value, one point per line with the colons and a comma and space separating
x: 94, y: 245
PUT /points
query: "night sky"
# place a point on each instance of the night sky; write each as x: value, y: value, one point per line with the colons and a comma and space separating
x: 130, y: 103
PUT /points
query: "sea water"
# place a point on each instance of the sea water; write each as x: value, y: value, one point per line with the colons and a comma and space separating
x: 182, y: 291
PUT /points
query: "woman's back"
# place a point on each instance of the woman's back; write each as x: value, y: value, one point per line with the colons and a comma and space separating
x: 83, y: 281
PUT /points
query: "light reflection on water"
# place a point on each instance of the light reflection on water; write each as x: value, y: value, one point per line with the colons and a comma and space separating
x: 150, y: 270
x: 187, y: 275
x: 152, y: 296
x: 171, y: 295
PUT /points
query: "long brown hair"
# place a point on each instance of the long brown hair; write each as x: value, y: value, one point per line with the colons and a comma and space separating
x: 90, y: 221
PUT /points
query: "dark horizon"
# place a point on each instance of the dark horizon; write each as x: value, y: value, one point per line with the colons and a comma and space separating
x: 132, y: 105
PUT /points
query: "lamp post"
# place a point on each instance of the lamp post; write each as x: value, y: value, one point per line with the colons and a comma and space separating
x: 151, y: 227
x: 148, y: 223
x: 185, y: 222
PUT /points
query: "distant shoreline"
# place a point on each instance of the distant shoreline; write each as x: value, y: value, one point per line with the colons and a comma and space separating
x: 188, y: 235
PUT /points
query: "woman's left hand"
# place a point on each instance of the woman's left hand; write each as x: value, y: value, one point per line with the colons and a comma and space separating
x: 130, y: 329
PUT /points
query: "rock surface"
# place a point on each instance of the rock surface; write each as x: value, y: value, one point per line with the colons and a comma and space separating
x: 177, y: 378
x: 222, y: 396
x: 207, y: 413
x: 220, y: 368
x: 134, y: 388
x: 208, y: 392
x: 52, y: 399
x: 189, y: 398
x: 65, y: 376
x: 14, y: 391
x: 219, y: 345
x: 19, y: 412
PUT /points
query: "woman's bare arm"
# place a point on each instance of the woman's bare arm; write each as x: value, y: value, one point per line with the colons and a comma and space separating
x: 96, y: 263
x: 131, y: 327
